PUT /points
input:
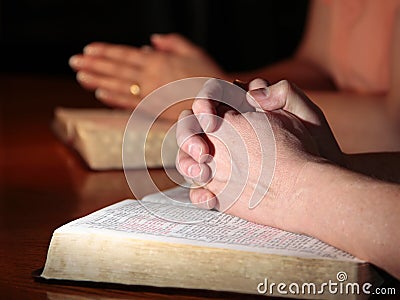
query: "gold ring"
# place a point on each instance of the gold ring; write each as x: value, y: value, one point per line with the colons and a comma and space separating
x: 135, y: 89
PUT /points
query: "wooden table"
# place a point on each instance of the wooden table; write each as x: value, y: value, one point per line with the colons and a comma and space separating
x: 43, y: 185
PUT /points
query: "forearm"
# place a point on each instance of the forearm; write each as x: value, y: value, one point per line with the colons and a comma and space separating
x: 350, y: 211
x: 304, y: 74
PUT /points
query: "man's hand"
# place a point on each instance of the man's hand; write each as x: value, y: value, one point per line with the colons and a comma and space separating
x: 246, y: 164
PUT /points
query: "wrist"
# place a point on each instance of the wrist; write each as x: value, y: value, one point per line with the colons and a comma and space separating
x: 304, y: 196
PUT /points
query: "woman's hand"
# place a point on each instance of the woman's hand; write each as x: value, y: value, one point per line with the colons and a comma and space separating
x: 111, y: 70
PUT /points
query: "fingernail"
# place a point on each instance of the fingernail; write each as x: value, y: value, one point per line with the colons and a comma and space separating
x: 206, y: 158
x: 260, y: 94
x: 75, y: 61
x: 195, y: 151
x: 211, y: 202
x: 99, y: 93
x: 146, y: 48
x: 204, y: 199
x: 257, y: 96
x: 81, y: 76
x: 91, y: 50
x: 194, y: 171
x: 206, y: 202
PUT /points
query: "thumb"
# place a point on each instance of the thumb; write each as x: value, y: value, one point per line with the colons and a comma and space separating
x: 288, y: 97
x: 173, y: 42
x: 284, y: 95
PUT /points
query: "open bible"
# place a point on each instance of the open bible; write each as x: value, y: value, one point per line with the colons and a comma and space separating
x: 165, y: 241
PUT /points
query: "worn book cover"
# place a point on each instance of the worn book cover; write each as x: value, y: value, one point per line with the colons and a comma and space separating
x: 165, y: 241
x: 97, y: 135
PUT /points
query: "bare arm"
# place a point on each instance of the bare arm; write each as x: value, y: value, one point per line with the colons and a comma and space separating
x: 307, y: 193
x: 352, y: 212
x: 307, y: 68
x: 394, y: 93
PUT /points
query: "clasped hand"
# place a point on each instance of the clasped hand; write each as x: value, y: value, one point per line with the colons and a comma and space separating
x: 246, y: 161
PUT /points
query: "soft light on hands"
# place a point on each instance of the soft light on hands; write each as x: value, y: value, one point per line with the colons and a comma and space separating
x: 110, y: 69
x: 240, y: 172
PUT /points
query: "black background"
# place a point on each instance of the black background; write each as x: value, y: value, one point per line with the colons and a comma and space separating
x: 38, y: 36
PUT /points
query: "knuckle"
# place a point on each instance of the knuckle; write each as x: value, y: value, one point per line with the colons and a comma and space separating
x: 286, y: 86
x: 112, y: 68
x: 286, y: 89
x: 182, y: 164
x: 132, y: 55
x: 195, y: 195
x: 199, y: 105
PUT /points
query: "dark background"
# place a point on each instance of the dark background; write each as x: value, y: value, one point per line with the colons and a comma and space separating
x: 38, y: 36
